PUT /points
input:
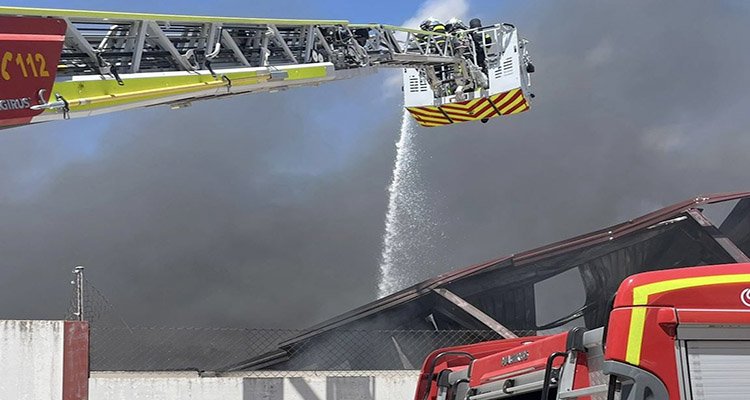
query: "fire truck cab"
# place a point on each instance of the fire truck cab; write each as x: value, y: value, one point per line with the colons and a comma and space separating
x: 672, y: 334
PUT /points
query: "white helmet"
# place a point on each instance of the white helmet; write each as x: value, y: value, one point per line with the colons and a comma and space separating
x: 428, y: 23
x: 455, y: 24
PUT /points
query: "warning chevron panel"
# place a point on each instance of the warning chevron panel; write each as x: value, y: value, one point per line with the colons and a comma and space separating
x: 507, y: 103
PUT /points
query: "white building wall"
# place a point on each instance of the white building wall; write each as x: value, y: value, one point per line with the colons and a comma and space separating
x: 165, y: 388
x: 401, y: 386
x: 31, y: 359
x: 345, y: 385
x: 32, y: 367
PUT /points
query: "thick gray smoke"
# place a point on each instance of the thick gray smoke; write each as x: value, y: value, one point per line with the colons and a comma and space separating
x: 639, y: 105
x: 268, y: 210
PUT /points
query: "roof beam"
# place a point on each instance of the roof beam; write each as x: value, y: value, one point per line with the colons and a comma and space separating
x: 717, y: 235
x: 476, y: 313
x: 405, y: 362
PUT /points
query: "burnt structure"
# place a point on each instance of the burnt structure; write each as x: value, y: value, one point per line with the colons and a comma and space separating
x: 500, y: 297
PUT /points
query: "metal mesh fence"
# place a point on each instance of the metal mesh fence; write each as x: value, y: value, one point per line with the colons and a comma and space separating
x: 169, y: 349
x: 115, y: 346
x: 374, y: 350
x: 94, y: 306
x: 231, y: 350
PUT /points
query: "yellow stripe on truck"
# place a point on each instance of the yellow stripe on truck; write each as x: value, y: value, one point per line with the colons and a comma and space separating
x: 641, y: 296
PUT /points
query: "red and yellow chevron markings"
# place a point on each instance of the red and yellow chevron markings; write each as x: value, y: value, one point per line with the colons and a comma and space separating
x: 507, y: 103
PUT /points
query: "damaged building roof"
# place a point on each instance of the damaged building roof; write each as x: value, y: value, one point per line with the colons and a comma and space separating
x: 500, y: 296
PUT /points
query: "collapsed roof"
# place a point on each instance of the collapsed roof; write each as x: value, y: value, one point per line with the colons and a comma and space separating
x: 521, y: 293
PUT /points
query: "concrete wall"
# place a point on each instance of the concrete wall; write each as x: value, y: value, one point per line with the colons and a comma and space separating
x: 49, y: 360
x: 43, y: 360
x: 165, y: 388
x: 345, y: 385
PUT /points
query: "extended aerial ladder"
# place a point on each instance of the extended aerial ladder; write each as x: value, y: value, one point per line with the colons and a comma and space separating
x: 59, y: 64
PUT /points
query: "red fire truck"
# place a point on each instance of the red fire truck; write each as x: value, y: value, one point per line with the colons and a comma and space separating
x: 672, y: 334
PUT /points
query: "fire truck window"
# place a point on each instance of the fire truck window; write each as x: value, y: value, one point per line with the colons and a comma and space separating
x: 558, y: 297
